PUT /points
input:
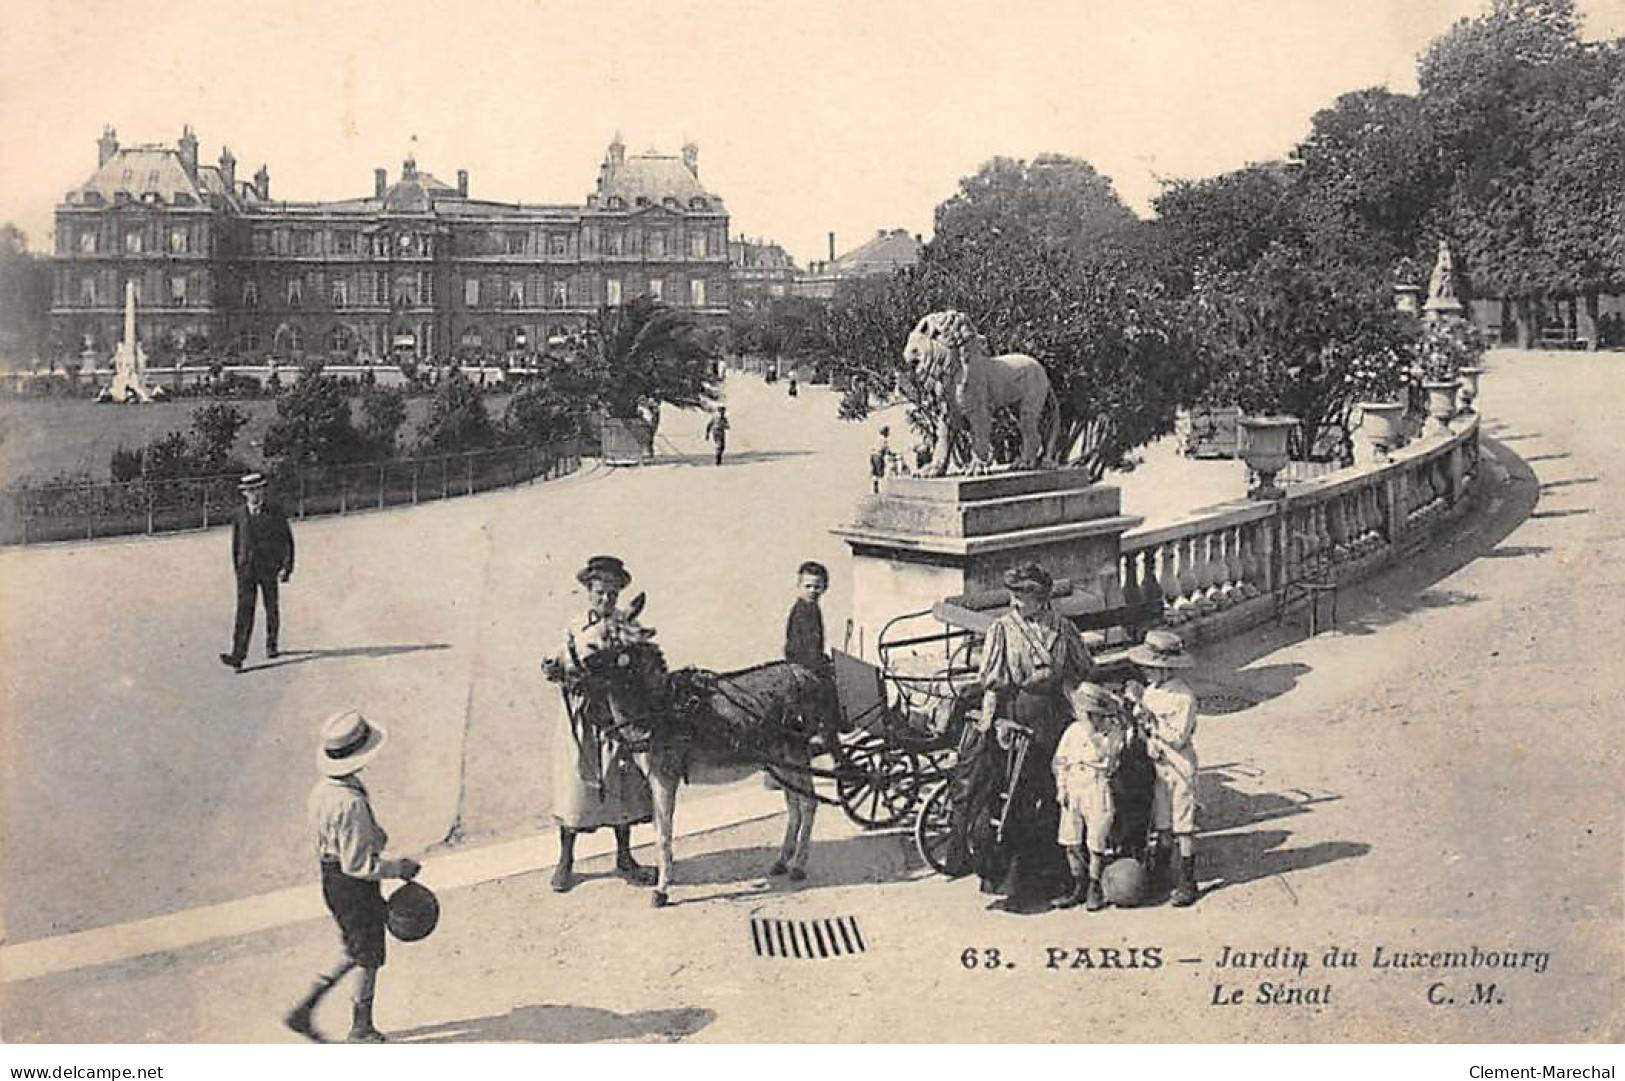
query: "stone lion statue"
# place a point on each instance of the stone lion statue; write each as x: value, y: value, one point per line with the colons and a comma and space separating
x: 945, y: 350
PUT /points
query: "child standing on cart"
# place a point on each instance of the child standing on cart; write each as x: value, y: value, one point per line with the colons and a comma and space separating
x: 1084, y: 763
x: 1167, y: 712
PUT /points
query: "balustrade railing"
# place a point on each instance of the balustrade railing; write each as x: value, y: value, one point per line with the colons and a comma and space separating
x: 1337, y: 526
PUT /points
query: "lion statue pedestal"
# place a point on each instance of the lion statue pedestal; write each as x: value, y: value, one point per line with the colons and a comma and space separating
x: 922, y: 539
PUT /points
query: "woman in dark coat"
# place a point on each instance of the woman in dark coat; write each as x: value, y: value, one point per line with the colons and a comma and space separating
x: 1032, y: 659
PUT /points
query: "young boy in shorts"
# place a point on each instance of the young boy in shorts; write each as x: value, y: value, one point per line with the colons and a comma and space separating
x: 1167, y: 709
x: 1084, y: 761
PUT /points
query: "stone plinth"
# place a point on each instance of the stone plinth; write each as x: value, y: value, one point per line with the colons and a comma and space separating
x: 923, y: 539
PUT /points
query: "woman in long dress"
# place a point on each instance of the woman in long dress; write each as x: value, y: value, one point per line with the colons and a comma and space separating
x: 1032, y: 658
x: 596, y: 781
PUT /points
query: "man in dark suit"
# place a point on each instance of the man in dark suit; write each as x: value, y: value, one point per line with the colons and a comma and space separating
x: 261, y: 551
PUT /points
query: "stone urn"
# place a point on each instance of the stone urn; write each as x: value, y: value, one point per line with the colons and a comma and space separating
x: 1379, y: 429
x: 1467, y: 392
x: 1263, y: 448
x: 1441, y: 405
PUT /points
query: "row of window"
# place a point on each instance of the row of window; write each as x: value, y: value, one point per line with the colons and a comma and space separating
x: 138, y: 240
x: 178, y: 292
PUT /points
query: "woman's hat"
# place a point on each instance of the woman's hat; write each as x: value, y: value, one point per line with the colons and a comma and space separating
x: 606, y: 568
x: 250, y: 482
x: 1093, y: 698
x: 1029, y: 577
x: 1161, y: 649
x: 348, y: 743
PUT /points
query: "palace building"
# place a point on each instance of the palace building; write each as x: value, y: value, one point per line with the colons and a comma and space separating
x: 418, y: 269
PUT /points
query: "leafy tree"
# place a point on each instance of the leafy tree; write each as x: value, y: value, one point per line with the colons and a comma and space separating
x: 312, y: 425
x: 1113, y: 341
x: 1506, y: 94
x: 550, y: 405
x: 214, y: 433
x: 457, y: 419
x: 1054, y: 201
x: 25, y: 297
x: 383, y: 411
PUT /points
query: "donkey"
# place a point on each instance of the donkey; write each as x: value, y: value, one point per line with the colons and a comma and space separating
x: 768, y: 716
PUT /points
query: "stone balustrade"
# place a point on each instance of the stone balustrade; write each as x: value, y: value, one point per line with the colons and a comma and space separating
x: 1230, y: 567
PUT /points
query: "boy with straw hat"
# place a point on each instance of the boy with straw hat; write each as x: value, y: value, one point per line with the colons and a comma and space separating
x: 350, y: 846
x: 1167, y: 709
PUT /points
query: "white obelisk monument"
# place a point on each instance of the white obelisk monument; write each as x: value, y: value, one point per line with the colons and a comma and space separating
x: 130, y: 360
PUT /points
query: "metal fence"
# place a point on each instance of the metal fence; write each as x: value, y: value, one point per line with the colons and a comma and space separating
x: 87, y: 511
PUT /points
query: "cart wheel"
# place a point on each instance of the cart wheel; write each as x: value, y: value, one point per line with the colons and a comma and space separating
x: 934, y: 834
x: 875, y: 786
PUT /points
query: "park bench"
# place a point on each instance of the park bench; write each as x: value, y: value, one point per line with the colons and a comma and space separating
x: 1561, y: 338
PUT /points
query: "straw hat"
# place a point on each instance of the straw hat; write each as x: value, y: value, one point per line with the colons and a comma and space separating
x: 251, y: 482
x: 348, y: 743
x: 607, y: 568
x: 1161, y: 649
x: 1093, y: 698
x: 1029, y: 577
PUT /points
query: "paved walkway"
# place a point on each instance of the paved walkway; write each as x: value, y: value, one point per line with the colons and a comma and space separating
x: 126, y: 735
x: 1440, y: 774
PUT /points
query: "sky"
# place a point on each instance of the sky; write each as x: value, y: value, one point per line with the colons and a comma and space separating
x: 844, y: 116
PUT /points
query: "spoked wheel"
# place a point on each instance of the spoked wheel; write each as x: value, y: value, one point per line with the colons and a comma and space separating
x: 934, y: 833
x: 876, y: 786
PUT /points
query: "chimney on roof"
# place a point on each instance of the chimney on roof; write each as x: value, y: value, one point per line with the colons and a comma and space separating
x: 380, y: 182
x: 262, y: 184
x: 228, y: 170
x: 832, y: 247
x: 462, y: 183
x: 106, y: 146
x: 188, y: 149
x: 691, y: 159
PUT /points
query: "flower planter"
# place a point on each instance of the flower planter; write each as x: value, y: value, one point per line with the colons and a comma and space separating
x: 1467, y: 393
x: 1441, y: 406
x: 1263, y: 448
x: 1379, y: 429
x: 626, y: 441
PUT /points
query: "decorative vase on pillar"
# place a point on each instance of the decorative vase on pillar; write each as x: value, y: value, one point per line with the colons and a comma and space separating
x: 1467, y: 393
x: 1441, y: 406
x: 1263, y: 448
x: 1379, y: 426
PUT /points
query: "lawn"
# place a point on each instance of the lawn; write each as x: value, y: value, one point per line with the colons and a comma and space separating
x: 45, y: 438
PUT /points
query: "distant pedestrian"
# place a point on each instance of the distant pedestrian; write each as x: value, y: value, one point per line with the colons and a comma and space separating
x: 350, y: 850
x: 881, y: 458
x: 794, y: 379
x: 1167, y: 710
x: 261, y: 552
x: 716, y: 430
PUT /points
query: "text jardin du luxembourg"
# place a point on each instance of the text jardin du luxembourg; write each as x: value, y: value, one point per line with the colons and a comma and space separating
x: 1287, y: 968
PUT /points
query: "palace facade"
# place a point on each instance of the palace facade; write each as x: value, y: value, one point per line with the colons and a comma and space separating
x: 418, y: 269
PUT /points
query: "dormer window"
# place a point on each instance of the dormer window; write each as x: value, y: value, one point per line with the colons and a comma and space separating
x: 696, y: 203
x: 617, y: 203
x: 643, y: 200
x: 670, y: 200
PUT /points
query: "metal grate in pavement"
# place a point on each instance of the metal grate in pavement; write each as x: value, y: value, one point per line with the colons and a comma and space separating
x: 811, y: 940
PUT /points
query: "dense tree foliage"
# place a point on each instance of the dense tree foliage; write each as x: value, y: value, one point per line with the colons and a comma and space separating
x: 644, y: 354
x: 1031, y: 254
x: 25, y: 298
x: 312, y: 425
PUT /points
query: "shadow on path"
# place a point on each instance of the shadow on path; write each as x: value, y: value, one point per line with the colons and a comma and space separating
x: 301, y: 656
x: 746, y: 457
x: 565, y: 1024
x: 864, y: 859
